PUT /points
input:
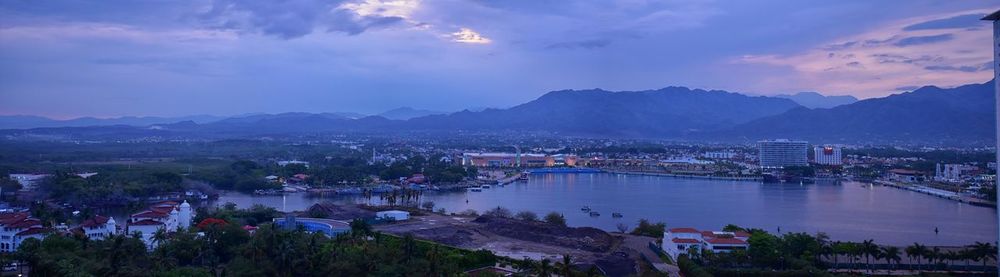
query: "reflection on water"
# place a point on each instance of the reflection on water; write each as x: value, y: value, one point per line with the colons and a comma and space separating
x: 846, y: 211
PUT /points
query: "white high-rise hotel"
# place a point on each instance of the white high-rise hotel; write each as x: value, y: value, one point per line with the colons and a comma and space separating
x: 828, y: 155
x: 780, y: 153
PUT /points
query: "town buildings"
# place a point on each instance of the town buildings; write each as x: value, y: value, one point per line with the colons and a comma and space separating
x: 517, y: 160
x: 906, y: 176
x: 828, y: 155
x: 780, y: 153
x: 677, y: 241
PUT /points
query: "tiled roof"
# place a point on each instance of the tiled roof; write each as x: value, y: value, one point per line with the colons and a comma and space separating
x: 150, y: 214
x: 34, y: 231
x: 725, y: 241
x: 688, y: 241
x: 146, y: 222
x: 684, y: 230
x: 25, y: 223
x: 95, y: 222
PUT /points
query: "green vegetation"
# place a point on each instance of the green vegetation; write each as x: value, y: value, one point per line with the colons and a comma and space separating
x: 649, y: 229
x: 226, y: 249
x: 555, y: 218
x: 110, y: 188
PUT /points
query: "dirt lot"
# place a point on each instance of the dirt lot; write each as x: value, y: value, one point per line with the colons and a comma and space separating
x: 519, y: 239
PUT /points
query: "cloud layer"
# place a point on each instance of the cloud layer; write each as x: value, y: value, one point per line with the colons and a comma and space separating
x: 69, y: 58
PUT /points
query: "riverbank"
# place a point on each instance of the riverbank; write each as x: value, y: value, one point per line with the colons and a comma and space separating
x: 659, y: 174
x: 938, y: 193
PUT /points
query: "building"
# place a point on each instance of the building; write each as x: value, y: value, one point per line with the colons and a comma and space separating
x: 517, y: 160
x: 828, y: 155
x: 167, y: 215
x: 719, y: 155
x: 17, y: 227
x: 906, y: 176
x: 98, y: 228
x: 678, y: 241
x: 953, y: 172
x: 394, y: 215
x: 780, y: 153
x: 28, y: 181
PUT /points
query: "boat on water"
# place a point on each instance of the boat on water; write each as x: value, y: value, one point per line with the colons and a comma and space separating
x: 485, y: 186
x: 595, y: 214
x: 475, y: 189
x: 585, y: 209
x: 616, y: 215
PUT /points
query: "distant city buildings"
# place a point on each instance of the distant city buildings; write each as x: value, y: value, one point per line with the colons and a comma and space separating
x: 719, y: 155
x: 828, y: 155
x: 517, y: 160
x: 780, y: 153
x: 906, y: 176
x: 954, y: 172
x: 285, y: 163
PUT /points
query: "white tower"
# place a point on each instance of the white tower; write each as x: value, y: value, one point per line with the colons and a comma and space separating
x: 184, y: 217
x: 111, y: 227
x: 995, y: 17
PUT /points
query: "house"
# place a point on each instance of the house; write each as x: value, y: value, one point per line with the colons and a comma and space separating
x: 17, y: 227
x: 98, y: 227
x: 168, y: 216
x: 678, y: 241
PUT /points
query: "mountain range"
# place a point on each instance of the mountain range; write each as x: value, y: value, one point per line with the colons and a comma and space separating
x: 961, y: 115
x: 814, y: 100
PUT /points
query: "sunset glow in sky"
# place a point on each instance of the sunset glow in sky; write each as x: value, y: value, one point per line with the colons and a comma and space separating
x: 179, y: 57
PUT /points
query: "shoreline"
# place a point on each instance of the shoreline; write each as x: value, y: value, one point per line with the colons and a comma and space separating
x: 640, y: 173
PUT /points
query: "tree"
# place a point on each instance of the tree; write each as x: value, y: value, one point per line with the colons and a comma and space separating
x: 555, y: 218
x: 526, y: 216
x: 869, y: 250
x: 429, y: 205
x: 650, y: 230
x: 500, y: 212
x: 622, y: 227
x: 565, y: 267
x: 918, y: 252
x: 891, y: 255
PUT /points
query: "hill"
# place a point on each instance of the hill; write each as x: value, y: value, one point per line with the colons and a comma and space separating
x: 927, y: 115
x: 814, y: 100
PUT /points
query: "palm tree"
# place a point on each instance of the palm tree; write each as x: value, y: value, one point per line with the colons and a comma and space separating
x: 566, y: 267
x: 984, y: 251
x: 918, y: 252
x: 544, y: 268
x: 869, y: 249
x: 891, y: 254
x: 159, y: 236
x: 935, y: 256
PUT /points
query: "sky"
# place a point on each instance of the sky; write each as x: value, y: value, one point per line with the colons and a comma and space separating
x: 107, y: 58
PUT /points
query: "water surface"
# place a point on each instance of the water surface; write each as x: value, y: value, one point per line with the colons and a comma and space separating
x: 846, y: 211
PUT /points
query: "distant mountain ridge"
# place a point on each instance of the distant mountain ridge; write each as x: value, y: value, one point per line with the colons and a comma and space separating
x: 404, y: 113
x: 30, y: 121
x: 815, y: 100
x: 928, y: 114
x: 961, y: 115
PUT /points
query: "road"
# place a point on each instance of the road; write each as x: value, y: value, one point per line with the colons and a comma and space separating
x: 641, y: 244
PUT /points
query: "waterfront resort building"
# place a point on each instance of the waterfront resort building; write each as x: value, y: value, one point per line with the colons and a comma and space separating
x: 678, y: 241
x: 905, y: 176
x: 828, y: 155
x: 167, y: 215
x: 19, y: 226
x: 517, y: 160
x: 780, y: 153
x: 98, y: 228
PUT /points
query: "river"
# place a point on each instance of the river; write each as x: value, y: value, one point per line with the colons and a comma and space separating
x: 848, y: 211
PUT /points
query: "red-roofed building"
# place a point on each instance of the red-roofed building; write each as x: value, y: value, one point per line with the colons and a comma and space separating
x: 679, y: 241
x: 17, y: 227
x: 168, y: 215
x: 98, y: 227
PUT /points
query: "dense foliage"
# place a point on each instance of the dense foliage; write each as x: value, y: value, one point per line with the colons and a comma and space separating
x: 224, y: 248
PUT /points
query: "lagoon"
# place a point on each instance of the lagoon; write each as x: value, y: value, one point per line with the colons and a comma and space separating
x: 849, y: 211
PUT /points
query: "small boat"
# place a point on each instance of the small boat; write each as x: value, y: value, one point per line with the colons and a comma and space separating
x: 585, y: 209
x: 475, y: 189
x: 485, y: 186
x: 595, y: 214
x: 616, y: 215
